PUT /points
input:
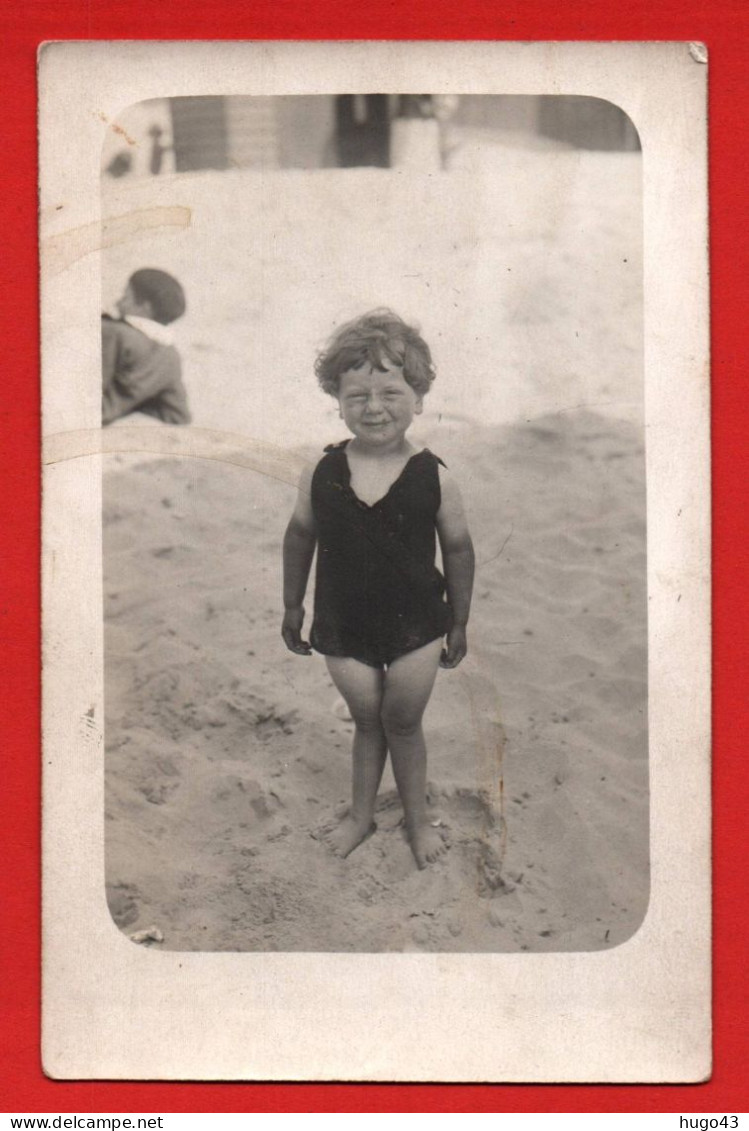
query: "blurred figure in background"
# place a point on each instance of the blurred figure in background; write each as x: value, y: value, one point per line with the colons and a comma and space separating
x: 362, y: 130
x: 141, y: 368
x: 419, y: 131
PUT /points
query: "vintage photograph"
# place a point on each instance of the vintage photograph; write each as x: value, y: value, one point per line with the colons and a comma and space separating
x: 376, y: 561
x: 374, y: 523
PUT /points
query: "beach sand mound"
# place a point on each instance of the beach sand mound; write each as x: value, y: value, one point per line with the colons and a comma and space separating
x: 225, y: 758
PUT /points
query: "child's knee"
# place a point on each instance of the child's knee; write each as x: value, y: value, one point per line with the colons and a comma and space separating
x: 400, y: 722
x: 366, y: 722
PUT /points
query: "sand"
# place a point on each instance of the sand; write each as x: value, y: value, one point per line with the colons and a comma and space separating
x: 224, y: 753
x: 225, y: 756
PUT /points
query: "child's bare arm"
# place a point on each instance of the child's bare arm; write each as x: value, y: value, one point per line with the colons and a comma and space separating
x: 298, y: 551
x: 458, y: 562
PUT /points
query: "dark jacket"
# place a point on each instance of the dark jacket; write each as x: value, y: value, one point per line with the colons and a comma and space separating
x: 140, y: 375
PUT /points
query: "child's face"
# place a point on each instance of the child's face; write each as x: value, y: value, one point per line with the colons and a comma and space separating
x: 377, y: 407
x: 128, y: 305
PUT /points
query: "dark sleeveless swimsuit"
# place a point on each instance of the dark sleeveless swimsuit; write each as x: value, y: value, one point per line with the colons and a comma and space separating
x: 378, y: 593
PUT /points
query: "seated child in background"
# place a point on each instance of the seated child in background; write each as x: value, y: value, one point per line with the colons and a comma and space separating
x: 373, y: 508
x: 141, y: 369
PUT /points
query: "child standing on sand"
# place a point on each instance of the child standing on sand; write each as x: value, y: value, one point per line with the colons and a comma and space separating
x: 373, y: 507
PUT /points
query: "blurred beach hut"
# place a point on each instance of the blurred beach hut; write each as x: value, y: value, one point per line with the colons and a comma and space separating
x: 328, y: 131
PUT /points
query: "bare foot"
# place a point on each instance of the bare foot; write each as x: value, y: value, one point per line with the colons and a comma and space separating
x: 426, y: 844
x: 348, y: 834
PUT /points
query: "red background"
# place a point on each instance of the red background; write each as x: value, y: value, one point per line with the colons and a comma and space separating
x: 722, y: 24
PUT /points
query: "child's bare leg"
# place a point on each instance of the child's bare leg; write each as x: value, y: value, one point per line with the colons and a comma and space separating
x: 361, y: 687
x: 408, y: 685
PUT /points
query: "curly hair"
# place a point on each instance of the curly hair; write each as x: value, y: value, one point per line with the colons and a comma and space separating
x: 376, y: 338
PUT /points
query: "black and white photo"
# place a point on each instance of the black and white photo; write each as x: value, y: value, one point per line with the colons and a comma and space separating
x: 378, y: 432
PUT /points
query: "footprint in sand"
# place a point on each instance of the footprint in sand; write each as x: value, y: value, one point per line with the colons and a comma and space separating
x: 122, y: 903
x: 369, y: 890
